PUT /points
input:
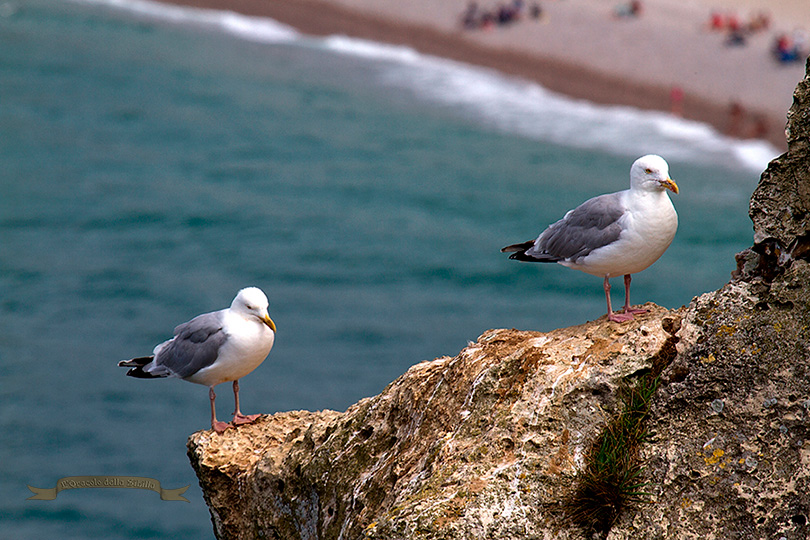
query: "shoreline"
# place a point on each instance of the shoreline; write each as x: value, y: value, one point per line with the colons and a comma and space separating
x: 563, y: 76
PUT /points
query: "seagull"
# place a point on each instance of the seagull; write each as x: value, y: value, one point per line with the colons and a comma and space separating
x: 213, y: 348
x: 615, y: 234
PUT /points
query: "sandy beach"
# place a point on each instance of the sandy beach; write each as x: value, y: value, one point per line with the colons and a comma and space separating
x: 665, y: 58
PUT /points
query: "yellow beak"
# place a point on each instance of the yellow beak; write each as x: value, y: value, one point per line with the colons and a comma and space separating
x: 269, y: 322
x: 670, y: 184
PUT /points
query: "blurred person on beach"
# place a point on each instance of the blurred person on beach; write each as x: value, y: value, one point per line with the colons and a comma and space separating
x: 730, y: 22
x: 504, y: 14
x: 471, y: 18
x: 736, y: 117
x: 632, y: 9
x: 736, y: 32
x: 789, y: 48
x: 759, y: 22
x: 676, y: 101
x: 736, y: 38
x: 717, y: 21
x: 745, y: 126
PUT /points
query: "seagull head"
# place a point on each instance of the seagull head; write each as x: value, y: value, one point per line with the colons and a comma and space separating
x: 651, y: 173
x: 252, y: 302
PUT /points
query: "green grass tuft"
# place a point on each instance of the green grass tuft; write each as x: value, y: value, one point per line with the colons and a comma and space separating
x: 611, y: 478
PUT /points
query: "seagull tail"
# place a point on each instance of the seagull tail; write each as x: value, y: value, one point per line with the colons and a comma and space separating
x: 519, y: 253
x: 137, y: 365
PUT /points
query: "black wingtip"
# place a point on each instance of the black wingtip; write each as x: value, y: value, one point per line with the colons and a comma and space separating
x: 523, y: 246
x: 136, y: 362
x: 519, y: 256
x: 523, y: 256
x: 136, y: 365
x: 518, y: 253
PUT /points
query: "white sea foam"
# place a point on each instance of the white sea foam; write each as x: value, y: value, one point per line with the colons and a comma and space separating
x: 259, y: 29
x: 372, y: 49
x: 518, y: 106
x: 482, y: 95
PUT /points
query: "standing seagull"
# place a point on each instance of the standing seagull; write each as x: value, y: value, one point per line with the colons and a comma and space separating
x: 214, y: 348
x: 614, y: 234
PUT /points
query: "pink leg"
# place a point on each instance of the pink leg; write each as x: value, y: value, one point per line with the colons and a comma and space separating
x: 617, y: 317
x: 217, y: 426
x: 627, y: 308
x: 238, y: 417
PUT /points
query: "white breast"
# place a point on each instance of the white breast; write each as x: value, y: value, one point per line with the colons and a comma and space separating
x: 649, y: 226
x: 248, y: 344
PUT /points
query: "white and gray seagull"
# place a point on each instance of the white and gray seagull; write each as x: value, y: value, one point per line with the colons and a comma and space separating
x: 616, y: 234
x: 213, y: 348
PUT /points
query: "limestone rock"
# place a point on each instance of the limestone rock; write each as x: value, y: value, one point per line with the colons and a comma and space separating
x: 780, y: 205
x: 730, y: 450
x: 485, y: 444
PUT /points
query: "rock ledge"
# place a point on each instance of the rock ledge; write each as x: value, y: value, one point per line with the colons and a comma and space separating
x: 485, y: 443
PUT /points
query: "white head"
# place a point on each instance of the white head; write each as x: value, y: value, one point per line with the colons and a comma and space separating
x: 251, y: 302
x: 651, y: 173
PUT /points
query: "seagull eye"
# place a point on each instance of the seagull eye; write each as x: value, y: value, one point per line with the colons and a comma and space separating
x: 648, y: 171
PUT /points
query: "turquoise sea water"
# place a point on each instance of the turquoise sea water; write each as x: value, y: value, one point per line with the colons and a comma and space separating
x: 155, y: 160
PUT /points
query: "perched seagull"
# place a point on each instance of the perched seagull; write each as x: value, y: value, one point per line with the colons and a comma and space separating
x: 614, y: 234
x: 213, y: 348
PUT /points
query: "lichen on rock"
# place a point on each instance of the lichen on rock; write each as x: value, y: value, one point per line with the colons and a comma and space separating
x: 730, y: 451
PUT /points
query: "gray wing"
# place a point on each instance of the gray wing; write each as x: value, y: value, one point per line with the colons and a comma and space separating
x: 195, y: 345
x: 589, y: 226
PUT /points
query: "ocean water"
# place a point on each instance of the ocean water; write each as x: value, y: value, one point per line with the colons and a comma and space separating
x: 157, y: 159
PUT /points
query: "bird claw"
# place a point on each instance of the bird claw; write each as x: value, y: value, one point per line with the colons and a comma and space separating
x: 626, y: 314
x: 220, y: 427
x: 620, y: 317
x: 238, y: 420
x: 241, y: 419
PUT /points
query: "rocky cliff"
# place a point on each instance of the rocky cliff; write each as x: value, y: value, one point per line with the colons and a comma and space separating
x: 460, y: 447
x: 692, y: 423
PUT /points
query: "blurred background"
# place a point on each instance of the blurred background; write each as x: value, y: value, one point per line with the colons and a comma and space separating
x: 155, y: 162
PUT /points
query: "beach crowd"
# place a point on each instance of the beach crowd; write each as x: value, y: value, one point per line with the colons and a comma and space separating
x: 476, y: 17
x: 787, y: 47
